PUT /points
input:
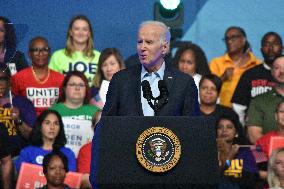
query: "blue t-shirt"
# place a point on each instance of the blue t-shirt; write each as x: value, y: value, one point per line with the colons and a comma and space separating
x: 35, y: 154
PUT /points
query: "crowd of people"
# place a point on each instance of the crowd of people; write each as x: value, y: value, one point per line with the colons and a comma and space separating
x: 48, y: 110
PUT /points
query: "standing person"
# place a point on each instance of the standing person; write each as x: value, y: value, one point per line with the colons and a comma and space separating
x: 74, y: 107
x: 237, y: 59
x: 125, y: 96
x: 48, y: 135
x: 8, y: 53
x: 191, y: 59
x: 260, y: 118
x: 55, y: 167
x: 6, y: 164
x: 38, y: 83
x: 258, y: 79
x: 110, y: 62
x: 79, y: 53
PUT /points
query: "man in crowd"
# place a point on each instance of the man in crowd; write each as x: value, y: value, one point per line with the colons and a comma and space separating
x: 258, y: 79
x: 260, y: 118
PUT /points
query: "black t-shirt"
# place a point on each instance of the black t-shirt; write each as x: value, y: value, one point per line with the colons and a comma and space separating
x: 253, y: 82
x: 4, y: 144
x: 221, y: 110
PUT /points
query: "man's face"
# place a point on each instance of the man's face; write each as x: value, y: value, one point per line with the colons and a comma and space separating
x: 149, y: 47
x: 39, y: 53
x: 277, y: 70
x: 271, y: 48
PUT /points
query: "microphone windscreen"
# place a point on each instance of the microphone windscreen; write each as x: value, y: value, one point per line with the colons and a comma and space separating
x: 146, y: 88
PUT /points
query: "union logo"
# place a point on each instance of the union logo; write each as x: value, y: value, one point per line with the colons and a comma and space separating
x: 158, y: 149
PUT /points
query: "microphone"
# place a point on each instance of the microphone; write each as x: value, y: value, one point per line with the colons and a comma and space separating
x: 146, y: 88
x: 164, y: 93
x: 163, y: 89
x: 147, y: 93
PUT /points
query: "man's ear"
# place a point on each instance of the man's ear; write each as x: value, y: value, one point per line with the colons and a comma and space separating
x: 165, y: 48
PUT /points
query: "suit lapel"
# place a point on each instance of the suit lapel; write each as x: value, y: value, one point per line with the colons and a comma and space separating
x: 136, y: 88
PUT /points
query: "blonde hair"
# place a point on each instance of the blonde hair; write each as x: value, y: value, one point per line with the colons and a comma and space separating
x: 105, y: 54
x: 273, y: 179
x: 70, y: 49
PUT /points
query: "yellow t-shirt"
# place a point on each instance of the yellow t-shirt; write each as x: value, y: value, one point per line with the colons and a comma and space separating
x: 220, y: 64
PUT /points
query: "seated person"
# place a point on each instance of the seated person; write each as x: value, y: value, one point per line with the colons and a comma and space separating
x: 261, y: 112
x: 73, y: 106
x: 275, y: 169
x: 55, y: 167
x: 264, y: 141
x: 47, y: 135
x: 110, y: 62
x: 237, y: 164
x: 6, y: 164
x: 84, y: 157
x: 209, y: 89
x: 17, y: 113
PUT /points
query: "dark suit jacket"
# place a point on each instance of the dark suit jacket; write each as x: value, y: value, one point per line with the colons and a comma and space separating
x: 124, y: 94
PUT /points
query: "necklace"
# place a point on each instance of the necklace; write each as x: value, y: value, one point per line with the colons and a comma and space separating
x: 43, y: 80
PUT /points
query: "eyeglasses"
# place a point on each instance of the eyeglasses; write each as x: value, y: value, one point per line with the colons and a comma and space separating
x: 80, y: 85
x: 44, y: 50
x: 231, y: 38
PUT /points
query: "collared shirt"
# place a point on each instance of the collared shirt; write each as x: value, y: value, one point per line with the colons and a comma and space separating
x: 153, y: 79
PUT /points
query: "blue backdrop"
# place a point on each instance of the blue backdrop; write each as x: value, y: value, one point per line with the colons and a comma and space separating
x: 115, y: 22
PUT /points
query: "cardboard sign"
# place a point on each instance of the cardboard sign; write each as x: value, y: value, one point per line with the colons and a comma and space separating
x: 31, y: 177
x: 275, y: 142
x: 78, y: 133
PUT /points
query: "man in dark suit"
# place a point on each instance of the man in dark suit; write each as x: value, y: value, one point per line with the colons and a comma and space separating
x: 125, y: 96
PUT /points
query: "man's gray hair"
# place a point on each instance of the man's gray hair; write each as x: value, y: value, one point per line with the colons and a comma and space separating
x: 165, y: 36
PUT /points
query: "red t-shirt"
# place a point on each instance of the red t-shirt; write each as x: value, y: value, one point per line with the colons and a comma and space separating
x: 264, y: 141
x: 84, y: 158
x: 43, y: 95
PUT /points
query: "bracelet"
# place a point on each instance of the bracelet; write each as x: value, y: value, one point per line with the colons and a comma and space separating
x: 18, y: 122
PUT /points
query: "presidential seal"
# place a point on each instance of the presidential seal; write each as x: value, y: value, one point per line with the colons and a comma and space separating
x: 158, y: 149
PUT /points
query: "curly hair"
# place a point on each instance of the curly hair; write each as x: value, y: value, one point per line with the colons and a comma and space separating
x: 47, y: 158
x: 202, y: 67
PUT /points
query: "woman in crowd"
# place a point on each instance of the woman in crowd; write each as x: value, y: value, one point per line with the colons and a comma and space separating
x: 209, y: 89
x: 17, y: 113
x: 237, y: 59
x: 79, y: 53
x: 55, y: 167
x: 276, y: 169
x: 74, y: 105
x: 110, y: 62
x: 191, y: 59
x: 8, y: 53
x: 237, y: 163
x: 47, y: 135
